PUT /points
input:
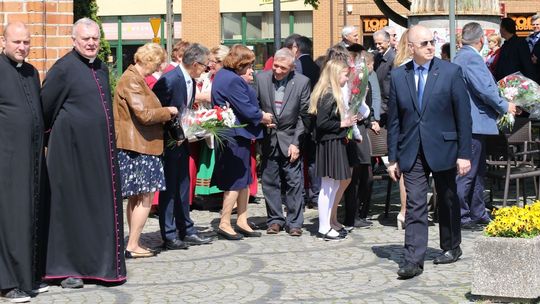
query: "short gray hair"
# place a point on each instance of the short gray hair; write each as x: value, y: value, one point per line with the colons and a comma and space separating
x: 472, y: 33
x: 389, y: 28
x: 195, y: 53
x: 535, y: 17
x: 86, y: 22
x: 347, y: 30
x: 382, y: 33
x: 284, y: 53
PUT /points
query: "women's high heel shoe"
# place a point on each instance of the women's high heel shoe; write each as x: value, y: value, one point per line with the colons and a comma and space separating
x: 137, y: 255
x: 400, y: 221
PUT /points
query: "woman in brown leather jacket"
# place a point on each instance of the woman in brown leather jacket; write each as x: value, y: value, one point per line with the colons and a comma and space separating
x: 139, y: 119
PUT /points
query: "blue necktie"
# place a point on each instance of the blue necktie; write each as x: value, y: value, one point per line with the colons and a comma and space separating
x: 421, y: 84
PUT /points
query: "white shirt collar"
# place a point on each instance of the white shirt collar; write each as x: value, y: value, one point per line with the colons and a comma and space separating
x: 425, y: 65
x: 186, y: 74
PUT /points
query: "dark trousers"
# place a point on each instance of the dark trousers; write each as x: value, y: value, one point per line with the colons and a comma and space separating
x: 416, y: 218
x: 278, y: 172
x: 358, y: 192
x: 174, y: 202
x: 471, y: 186
x: 313, y: 187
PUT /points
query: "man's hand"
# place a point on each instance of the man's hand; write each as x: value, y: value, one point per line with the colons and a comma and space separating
x: 534, y: 59
x: 394, y: 171
x: 511, y: 108
x: 267, y: 120
x: 463, y: 166
x: 293, y: 153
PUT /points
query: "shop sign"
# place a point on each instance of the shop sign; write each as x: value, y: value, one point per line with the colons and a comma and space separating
x: 523, y: 24
x: 373, y: 24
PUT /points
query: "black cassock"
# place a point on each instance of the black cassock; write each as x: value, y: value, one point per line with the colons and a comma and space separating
x: 21, y: 169
x: 86, y: 237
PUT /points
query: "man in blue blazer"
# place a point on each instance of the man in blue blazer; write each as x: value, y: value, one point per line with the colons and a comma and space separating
x: 177, y: 88
x: 429, y: 131
x: 486, y: 106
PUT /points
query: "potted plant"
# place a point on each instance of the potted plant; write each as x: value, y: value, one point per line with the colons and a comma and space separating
x: 506, y: 259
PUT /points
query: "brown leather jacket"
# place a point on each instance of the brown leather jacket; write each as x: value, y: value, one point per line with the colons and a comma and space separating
x: 138, y: 115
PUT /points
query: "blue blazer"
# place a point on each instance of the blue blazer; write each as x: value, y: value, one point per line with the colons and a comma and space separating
x: 229, y: 88
x: 171, y: 90
x: 486, y: 102
x: 442, y: 127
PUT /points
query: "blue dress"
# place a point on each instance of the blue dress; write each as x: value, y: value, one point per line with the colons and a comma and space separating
x: 233, y: 169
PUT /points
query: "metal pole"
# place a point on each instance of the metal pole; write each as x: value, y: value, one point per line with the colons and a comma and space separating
x: 452, y: 18
x: 277, y: 24
x: 344, y: 13
x: 170, y: 28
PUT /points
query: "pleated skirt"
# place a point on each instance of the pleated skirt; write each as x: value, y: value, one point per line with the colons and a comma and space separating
x: 332, y: 160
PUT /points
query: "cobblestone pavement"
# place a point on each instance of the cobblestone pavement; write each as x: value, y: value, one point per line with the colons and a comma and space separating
x: 284, y: 269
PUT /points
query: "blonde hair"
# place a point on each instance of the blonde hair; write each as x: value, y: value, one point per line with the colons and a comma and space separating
x: 150, y: 55
x: 219, y: 52
x: 495, y: 38
x: 329, y: 83
x: 403, y: 53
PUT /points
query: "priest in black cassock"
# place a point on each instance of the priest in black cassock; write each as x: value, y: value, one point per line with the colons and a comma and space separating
x: 21, y: 167
x: 86, y: 239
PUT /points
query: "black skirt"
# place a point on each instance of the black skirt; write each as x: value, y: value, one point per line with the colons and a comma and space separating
x: 332, y: 160
x: 360, y: 153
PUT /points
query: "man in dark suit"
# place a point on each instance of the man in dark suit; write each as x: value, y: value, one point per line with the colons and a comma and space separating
x: 285, y: 94
x: 486, y: 106
x: 515, y: 55
x: 429, y: 131
x: 311, y: 70
x: 177, y: 88
x: 384, y: 62
x: 534, y: 44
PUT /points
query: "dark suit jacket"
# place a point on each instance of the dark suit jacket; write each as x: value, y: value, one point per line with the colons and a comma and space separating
x: 289, y: 124
x: 171, y: 90
x: 536, y: 52
x: 230, y: 89
x: 383, y: 68
x: 309, y: 69
x: 442, y: 127
x: 328, y: 120
x: 514, y: 56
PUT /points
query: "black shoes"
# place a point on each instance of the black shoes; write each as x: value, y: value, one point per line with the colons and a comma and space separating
x: 16, y: 296
x: 448, y: 257
x: 195, y: 239
x: 40, y: 288
x: 175, y: 244
x: 248, y: 233
x: 408, y: 271
x: 228, y: 236
x: 72, y: 283
x: 472, y: 226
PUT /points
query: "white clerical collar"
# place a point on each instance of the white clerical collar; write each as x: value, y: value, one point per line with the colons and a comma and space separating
x: 91, y: 60
x: 19, y: 64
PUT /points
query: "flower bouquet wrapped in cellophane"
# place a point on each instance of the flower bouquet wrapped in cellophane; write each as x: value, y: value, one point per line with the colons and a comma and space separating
x: 358, y: 83
x: 201, y: 123
x: 522, y: 91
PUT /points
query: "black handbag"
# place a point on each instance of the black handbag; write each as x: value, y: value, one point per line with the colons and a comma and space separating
x: 174, y: 129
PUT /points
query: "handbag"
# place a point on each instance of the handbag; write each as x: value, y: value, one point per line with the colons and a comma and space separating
x: 174, y: 128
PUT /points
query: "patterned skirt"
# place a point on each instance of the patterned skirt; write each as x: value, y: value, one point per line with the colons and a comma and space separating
x: 140, y: 173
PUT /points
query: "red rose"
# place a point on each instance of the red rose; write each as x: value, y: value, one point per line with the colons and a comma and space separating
x: 355, y: 91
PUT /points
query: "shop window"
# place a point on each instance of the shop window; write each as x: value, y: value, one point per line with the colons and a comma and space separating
x: 253, y: 25
x: 232, y: 26
x: 303, y: 23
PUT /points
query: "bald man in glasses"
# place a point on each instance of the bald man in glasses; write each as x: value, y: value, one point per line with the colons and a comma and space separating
x: 429, y: 131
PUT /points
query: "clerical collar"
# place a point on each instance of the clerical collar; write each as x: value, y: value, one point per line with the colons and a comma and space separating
x: 84, y: 59
x: 19, y: 64
x: 13, y: 63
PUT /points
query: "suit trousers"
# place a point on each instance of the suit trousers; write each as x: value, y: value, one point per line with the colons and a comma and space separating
x: 313, y: 187
x: 471, y: 186
x: 358, y: 191
x: 416, y: 218
x: 278, y: 172
x: 174, y: 202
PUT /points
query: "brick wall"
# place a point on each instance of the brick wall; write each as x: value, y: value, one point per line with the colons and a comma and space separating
x: 49, y: 22
x: 201, y: 22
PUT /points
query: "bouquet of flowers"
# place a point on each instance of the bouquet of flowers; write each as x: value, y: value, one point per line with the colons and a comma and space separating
x: 200, y: 123
x: 358, y: 84
x: 522, y: 91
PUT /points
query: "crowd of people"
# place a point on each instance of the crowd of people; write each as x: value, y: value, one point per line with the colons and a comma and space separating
x: 77, y: 150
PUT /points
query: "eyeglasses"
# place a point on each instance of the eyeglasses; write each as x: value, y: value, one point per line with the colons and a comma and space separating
x: 425, y: 43
x: 206, y: 67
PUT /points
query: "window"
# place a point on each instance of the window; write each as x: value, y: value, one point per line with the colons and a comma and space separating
x: 232, y: 26
x: 253, y: 25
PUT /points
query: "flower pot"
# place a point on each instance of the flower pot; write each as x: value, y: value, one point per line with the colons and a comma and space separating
x: 506, y: 267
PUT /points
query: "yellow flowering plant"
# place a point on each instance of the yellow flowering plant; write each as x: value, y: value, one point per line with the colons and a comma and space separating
x: 515, y: 222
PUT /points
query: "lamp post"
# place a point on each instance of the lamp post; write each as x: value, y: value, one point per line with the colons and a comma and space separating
x: 452, y: 20
x: 170, y: 28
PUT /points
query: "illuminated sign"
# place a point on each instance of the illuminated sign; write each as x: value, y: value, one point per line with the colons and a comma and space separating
x: 373, y: 24
x: 523, y: 24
